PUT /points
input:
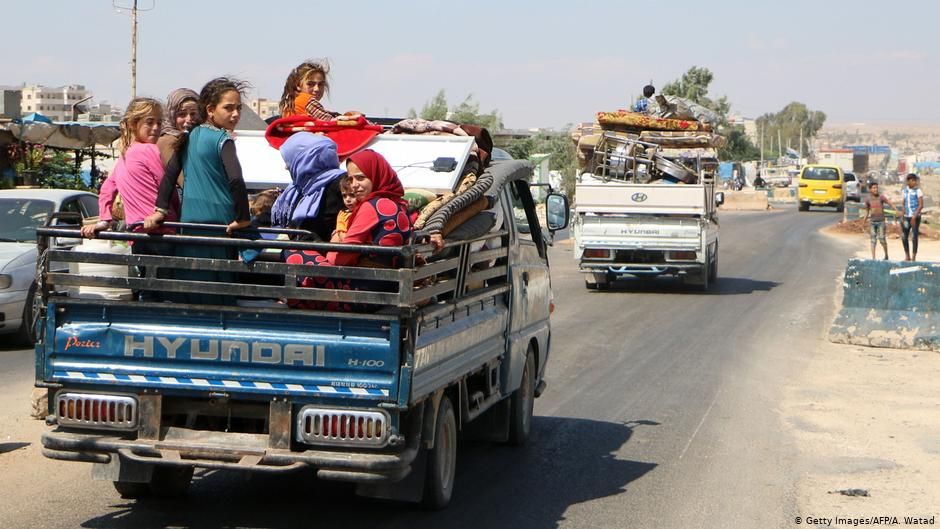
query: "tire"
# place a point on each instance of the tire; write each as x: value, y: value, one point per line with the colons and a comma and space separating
x: 27, y: 332
x: 130, y: 490
x: 713, y: 267
x: 170, y: 481
x: 590, y: 286
x: 841, y: 207
x: 521, y: 403
x: 442, y: 459
x: 804, y: 206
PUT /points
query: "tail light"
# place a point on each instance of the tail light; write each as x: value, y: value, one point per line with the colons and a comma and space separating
x: 683, y: 256
x: 596, y: 253
x: 342, y: 427
x: 89, y: 410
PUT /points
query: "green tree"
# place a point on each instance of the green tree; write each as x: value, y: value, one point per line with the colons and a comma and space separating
x: 435, y: 108
x: 693, y: 85
x: 787, y: 127
x: 738, y: 147
x: 469, y: 112
x: 559, y: 145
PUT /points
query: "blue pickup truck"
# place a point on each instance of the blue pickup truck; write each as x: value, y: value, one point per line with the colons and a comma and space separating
x: 453, y: 345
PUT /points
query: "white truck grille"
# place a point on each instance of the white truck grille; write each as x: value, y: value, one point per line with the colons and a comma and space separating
x: 92, y: 410
x: 342, y: 427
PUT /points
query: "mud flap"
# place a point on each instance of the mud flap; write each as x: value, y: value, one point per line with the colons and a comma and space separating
x: 409, y: 489
x: 120, y: 469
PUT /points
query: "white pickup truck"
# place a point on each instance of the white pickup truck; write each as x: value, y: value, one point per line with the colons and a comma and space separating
x: 634, y: 218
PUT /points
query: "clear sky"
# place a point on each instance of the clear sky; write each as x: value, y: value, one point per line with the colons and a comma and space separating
x: 540, y: 64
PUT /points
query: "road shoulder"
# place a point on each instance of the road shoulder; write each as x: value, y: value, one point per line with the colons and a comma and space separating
x: 867, y: 418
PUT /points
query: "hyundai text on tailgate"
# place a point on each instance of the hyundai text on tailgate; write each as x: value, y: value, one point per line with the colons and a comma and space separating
x: 148, y: 391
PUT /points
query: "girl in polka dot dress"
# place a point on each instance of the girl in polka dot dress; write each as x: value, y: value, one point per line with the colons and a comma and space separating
x: 380, y: 218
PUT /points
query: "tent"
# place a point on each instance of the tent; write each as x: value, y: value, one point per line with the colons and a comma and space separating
x: 34, y: 117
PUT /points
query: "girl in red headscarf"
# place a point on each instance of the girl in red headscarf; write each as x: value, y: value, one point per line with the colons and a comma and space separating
x: 380, y: 218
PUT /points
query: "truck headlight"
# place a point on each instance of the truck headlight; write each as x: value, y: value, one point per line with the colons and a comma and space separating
x: 5, y: 281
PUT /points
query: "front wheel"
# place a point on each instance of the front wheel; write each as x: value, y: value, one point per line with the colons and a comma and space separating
x: 442, y: 459
x: 522, y: 402
x: 170, y: 481
x: 27, y: 331
x: 804, y: 206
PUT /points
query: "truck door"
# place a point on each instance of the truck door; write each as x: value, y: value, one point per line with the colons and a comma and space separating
x: 531, y: 286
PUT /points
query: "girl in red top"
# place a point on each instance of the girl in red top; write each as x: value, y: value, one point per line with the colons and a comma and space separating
x: 379, y: 218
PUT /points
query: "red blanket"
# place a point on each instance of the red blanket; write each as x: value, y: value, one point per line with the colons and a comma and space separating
x: 350, y: 135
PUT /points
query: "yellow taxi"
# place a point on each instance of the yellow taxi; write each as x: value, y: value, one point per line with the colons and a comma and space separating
x: 821, y: 185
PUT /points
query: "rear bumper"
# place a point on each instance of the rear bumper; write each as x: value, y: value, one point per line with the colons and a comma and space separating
x: 644, y: 269
x: 233, y: 451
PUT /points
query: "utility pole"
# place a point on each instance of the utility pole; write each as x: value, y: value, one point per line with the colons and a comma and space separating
x: 134, y: 50
x: 134, y: 9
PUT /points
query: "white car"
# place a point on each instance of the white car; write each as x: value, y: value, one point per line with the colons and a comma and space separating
x: 852, y: 189
x: 21, y: 212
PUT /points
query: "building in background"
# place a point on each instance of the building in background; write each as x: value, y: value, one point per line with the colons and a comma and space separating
x: 58, y: 103
x: 10, y: 102
x: 265, y: 108
x: 102, y: 112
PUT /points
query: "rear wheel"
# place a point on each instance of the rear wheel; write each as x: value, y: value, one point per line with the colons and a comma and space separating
x: 442, y: 459
x: 713, y: 267
x: 804, y: 206
x: 522, y: 402
x: 840, y: 207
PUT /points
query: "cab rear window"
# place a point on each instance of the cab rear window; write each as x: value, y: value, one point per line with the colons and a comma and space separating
x: 820, y: 173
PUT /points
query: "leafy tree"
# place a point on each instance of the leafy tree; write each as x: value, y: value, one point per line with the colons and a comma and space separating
x: 738, y: 147
x: 559, y: 145
x: 436, y: 108
x: 467, y: 111
x: 785, y: 128
x: 693, y: 85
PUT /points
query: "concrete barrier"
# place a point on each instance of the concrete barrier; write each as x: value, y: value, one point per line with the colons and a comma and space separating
x: 782, y: 194
x: 890, y: 304
x: 745, y: 200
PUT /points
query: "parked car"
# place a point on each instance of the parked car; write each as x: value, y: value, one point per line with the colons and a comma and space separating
x: 853, y: 190
x: 21, y: 212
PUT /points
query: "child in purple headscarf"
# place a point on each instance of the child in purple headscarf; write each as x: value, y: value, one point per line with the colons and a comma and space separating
x: 314, y: 169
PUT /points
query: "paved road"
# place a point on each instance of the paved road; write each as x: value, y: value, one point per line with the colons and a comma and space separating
x: 661, y: 411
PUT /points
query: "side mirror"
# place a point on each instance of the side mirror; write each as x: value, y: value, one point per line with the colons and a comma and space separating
x: 556, y: 211
x: 719, y: 198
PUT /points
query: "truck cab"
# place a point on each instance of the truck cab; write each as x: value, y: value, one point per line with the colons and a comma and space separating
x: 455, y: 341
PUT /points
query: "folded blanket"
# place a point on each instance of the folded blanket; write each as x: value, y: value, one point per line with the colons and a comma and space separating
x: 622, y: 119
x: 683, y: 139
x: 350, y: 135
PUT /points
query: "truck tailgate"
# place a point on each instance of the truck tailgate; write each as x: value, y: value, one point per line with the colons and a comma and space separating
x: 638, y: 232
x: 280, y: 353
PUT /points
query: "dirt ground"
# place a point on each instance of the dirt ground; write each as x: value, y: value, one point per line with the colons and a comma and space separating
x: 869, y: 419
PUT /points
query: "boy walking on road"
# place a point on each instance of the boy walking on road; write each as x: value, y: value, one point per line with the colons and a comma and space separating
x: 875, y: 214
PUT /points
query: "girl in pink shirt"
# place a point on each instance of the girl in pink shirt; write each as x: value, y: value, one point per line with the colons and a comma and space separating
x: 138, y: 172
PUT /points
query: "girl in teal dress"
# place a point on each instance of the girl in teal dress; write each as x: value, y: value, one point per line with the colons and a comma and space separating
x: 214, y: 191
